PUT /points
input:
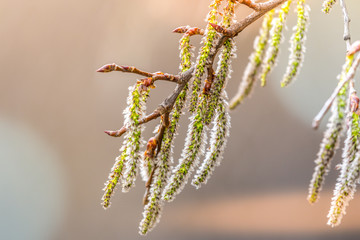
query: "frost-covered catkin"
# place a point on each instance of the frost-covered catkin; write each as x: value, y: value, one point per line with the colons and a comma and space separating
x: 276, y: 38
x: 223, y: 70
x: 133, y: 113
x: 208, y: 45
x: 327, y: 5
x: 255, y: 60
x: 330, y: 141
x: 219, y: 135
x: 297, y: 49
x: 345, y: 189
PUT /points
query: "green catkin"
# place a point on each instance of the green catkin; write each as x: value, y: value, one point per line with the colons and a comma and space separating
x: 327, y: 5
x: 276, y: 37
x: 114, y: 178
x: 223, y: 71
x: 193, y: 149
x: 153, y: 208
x: 345, y: 189
x: 194, y: 145
x: 330, y: 141
x: 220, y: 133
x: 255, y: 60
x: 134, y: 112
x: 208, y: 45
x: 297, y: 48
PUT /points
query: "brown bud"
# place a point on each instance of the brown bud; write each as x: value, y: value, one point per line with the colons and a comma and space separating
x: 218, y: 28
x: 181, y: 29
x: 195, y: 31
x: 107, y: 68
x: 151, y: 147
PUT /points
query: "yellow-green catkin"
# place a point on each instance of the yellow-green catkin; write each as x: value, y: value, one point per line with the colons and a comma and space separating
x: 219, y: 134
x: 331, y: 138
x: 133, y: 113
x: 223, y: 70
x: 114, y: 177
x: 202, y: 61
x: 327, y: 5
x: 194, y: 147
x: 345, y: 186
x: 297, y: 49
x: 255, y: 60
x: 275, y: 40
x: 153, y: 209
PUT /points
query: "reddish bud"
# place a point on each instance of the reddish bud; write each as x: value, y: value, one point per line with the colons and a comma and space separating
x: 181, y: 29
x: 151, y: 147
x: 107, y: 68
x: 195, y: 31
x: 218, y: 28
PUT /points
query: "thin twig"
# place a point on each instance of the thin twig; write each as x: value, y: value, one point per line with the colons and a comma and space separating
x: 347, y: 36
x: 130, y: 69
x: 164, y: 107
x: 350, y: 75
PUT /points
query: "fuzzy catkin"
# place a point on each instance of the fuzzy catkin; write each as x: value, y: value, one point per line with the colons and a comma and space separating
x: 327, y: 5
x: 255, y: 60
x: 223, y: 71
x: 330, y: 142
x: 276, y: 38
x: 208, y: 44
x: 193, y: 149
x: 219, y: 135
x: 297, y: 49
x: 345, y: 186
x: 133, y: 113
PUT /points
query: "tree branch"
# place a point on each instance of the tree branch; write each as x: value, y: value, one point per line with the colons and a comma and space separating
x: 350, y: 75
x: 347, y: 37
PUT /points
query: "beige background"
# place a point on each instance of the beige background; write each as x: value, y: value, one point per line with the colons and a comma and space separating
x: 54, y: 156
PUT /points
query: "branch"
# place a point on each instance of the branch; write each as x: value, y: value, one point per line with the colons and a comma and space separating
x: 262, y: 8
x: 328, y: 103
x: 183, y: 78
x: 347, y: 37
x: 129, y: 69
x: 164, y: 107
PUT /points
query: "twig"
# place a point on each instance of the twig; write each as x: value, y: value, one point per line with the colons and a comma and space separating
x: 130, y: 69
x: 328, y: 103
x: 347, y: 37
x: 164, y: 107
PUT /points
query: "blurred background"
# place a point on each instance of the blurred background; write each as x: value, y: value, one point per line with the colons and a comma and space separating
x: 54, y: 156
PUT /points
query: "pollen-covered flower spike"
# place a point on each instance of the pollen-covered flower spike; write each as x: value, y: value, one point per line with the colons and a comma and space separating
x: 219, y: 135
x: 255, y: 60
x: 327, y: 5
x: 330, y: 142
x: 346, y: 183
x: 114, y: 177
x: 217, y: 84
x: 193, y: 148
x: 133, y: 113
x: 297, y: 49
x: 276, y: 38
x: 208, y: 40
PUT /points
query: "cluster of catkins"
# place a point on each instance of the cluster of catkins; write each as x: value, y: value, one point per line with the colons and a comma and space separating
x: 344, y: 120
x: 207, y: 105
